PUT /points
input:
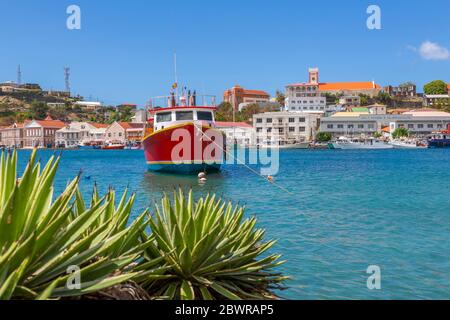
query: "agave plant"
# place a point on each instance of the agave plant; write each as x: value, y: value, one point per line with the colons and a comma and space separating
x: 40, y: 239
x: 210, y: 251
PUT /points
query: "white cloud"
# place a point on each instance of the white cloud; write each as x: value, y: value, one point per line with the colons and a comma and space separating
x: 433, y: 51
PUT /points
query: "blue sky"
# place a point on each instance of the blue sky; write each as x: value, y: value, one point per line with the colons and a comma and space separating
x: 124, y: 50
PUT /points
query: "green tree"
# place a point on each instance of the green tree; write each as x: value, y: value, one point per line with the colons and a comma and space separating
x: 39, y: 110
x: 377, y: 135
x: 435, y: 87
x: 364, y: 99
x: 400, y: 133
x: 280, y: 97
x: 383, y: 97
x: 324, y: 136
x: 224, y: 112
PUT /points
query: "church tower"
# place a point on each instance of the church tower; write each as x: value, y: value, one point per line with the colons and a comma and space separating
x: 314, y: 75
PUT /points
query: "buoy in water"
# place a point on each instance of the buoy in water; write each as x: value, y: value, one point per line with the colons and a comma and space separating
x: 270, y: 178
x: 202, y: 180
x: 201, y: 175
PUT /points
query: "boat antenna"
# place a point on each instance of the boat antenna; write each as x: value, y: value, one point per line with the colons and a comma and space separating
x: 176, y: 72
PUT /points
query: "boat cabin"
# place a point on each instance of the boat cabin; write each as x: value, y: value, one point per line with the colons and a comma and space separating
x: 168, y: 117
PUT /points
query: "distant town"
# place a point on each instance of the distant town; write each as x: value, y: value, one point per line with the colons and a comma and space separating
x: 305, y: 112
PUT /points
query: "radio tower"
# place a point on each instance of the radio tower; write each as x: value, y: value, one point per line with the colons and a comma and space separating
x: 67, y: 78
x: 19, y: 75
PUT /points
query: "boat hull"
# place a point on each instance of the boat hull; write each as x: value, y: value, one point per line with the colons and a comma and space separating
x: 439, y: 143
x: 185, y: 149
x: 358, y: 146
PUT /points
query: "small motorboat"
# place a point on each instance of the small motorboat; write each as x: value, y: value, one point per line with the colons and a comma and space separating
x: 113, y: 146
x: 408, y: 144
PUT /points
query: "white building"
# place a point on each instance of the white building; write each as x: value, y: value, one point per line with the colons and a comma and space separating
x: 88, y: 105
x: 239, y: 133
x: 286, y: 126
x: 350, y: 101
x: 84, y: 128
x: 67, y: 137
x: 418, y: 123
x: 302, y: 97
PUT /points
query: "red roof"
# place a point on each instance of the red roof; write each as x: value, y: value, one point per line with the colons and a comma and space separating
x: 448, y: 87
x: 222, y: 124
x: 51, y: 123
x: 256, y: 92
x: 338, y: 86
x: 130, y: 125
x: 99, y: 125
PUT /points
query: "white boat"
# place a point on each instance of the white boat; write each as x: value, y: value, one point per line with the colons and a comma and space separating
x: 353, y: 144
x: 283, y: 145
x: 408, y: 144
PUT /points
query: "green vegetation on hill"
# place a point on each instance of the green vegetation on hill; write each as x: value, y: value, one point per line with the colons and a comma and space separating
x: 225, y: 112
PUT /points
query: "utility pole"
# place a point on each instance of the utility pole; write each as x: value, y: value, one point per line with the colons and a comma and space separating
x: 19, y: 75
x: 67, y: 78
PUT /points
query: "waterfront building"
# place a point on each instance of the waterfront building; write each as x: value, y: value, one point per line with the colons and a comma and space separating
x: 436, y: 100
x: 240, y: 133
x: 286, y: 126
x: 239, y: 97
x: 41, y: 133
x: 123, y: 132
x: 68, y: 137
x: 418, y: 122
x: 84, y: 129
x: 135, y: 132
x: 12, y: 136
x: 404, y: 90
x: 98, y: 133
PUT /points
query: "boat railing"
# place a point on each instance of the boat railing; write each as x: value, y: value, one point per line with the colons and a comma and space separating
x: 182, y: 100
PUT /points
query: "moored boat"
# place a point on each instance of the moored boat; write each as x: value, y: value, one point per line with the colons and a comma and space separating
x: 113, y: 146
x: 439, y: 139
x: 408, y: 144
x: 354, y: 144
x: 184, y: 138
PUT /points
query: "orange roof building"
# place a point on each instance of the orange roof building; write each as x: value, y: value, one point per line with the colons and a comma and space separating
x: 238, y: 95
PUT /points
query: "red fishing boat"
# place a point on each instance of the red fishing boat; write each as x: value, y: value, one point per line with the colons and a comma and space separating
x: 183, y: 138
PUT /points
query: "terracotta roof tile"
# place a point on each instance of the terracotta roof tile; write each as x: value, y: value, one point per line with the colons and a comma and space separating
x: 337, y: 86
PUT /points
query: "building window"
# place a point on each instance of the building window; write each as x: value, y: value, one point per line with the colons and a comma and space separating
x: 350, y: 126
x: 291, y: 129
x: 410, y: 126
x: 340, y: 126
x: 269, y: 130
x: 269, y: 120
x: 291, y: 120
x: 330, y: 126
x: 302, y: 129
x: 258, y: 129
x: 360, y: 126
x: 420, y: 126
x: 259, y: 120
x: 430, y: 126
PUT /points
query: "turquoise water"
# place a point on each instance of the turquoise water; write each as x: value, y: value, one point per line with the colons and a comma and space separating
x: 345, y: 210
